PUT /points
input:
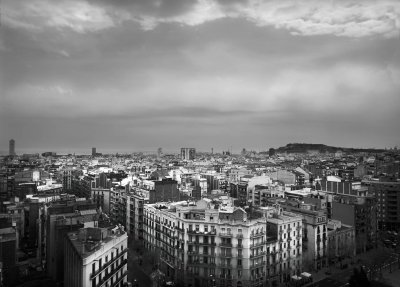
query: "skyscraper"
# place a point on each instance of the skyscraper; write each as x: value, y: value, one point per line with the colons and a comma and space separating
x: 93, y: 151
x: 12, y: 147
x: 159, y: 152
x: 188, y: 153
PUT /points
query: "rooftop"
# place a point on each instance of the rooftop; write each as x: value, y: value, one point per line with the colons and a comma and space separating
x: 89, y: 240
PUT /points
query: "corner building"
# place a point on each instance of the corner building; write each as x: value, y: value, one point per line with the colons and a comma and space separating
x: 96, y: 257
x: 203, y: 245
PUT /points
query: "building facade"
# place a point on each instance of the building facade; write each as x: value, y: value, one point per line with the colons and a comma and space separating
x: 96, y: 257
x: 188, y: 153
x: 11, y: 147
x: 387, y: 194
x: 199, y: 245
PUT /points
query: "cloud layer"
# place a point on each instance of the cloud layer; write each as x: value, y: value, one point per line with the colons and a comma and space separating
x: 307, y: 18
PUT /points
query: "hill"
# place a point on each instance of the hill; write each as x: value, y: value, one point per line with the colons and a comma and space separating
x: 305, y: 147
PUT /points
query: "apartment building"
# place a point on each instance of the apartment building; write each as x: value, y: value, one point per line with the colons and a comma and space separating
x: 387, y: 194
x: 199, y: 244
x: 341, y: 241
x: 360, y: 212
x: 118, y: 204
x: 96, y: 257
x: 315, y: 236
x: 134, y: 213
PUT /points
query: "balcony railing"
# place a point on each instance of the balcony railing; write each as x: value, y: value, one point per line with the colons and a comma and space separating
x: 225, y: 244
x: 225, y: 234
x: 254, y: 235
x: 105, y: 265
x: 112, y: 273
x: 117, y: 283
x: 258, y: 244
x: 259, y: 254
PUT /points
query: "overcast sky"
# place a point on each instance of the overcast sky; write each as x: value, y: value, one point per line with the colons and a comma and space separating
x: 128, y: 75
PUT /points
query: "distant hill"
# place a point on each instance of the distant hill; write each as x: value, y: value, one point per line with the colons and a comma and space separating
x: 304, y: 147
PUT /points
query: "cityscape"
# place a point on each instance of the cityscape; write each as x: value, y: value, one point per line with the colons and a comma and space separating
x: 200, y: 143
x: 287, y: 216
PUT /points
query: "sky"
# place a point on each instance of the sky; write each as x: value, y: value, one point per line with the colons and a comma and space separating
x: 131, y: 75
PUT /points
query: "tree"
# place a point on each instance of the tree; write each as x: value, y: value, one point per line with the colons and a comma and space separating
x: 359, y: 278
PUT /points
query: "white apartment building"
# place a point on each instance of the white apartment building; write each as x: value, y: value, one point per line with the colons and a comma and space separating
x: 96, y: 257
x: 199, y: 244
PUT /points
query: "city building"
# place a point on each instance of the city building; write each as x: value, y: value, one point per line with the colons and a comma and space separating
x: 67, y: 176
x: 315, y: 236
x: 134, y: 214
x: 11, y: 147
x: 164, y: 190
x: 96, y: 257
x: 102, y: 198
x: 341, y: 241
x: 8, y: 256
x: 94, y: 153
x: 360, y: 212
x: 387, y: 193
x: 188, y: 153
x: 118, y: 205
x: 61, y: 218
x: 199, y: 244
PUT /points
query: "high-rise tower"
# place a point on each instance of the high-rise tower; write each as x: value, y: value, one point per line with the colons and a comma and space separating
x: 11, y: 149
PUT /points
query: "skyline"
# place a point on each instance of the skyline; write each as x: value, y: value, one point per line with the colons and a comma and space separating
x: 233, y: 149
x: 138, y: 75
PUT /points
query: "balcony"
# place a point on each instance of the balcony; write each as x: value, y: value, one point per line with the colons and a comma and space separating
x: 105, y: 265
x: 118, y: 281
x: 255, y: 235
x: 179, y: 229
x: 191, y: 231
x: 258, y: 244
x: 258, y: 264
x: 209, y: 254
x: 239, y: 235
x: 225, y: 244
x: 112, y: 273
x: 226, y: 255
x: 224, y: 234
x: 257, y: 276
x: 259, y: 254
